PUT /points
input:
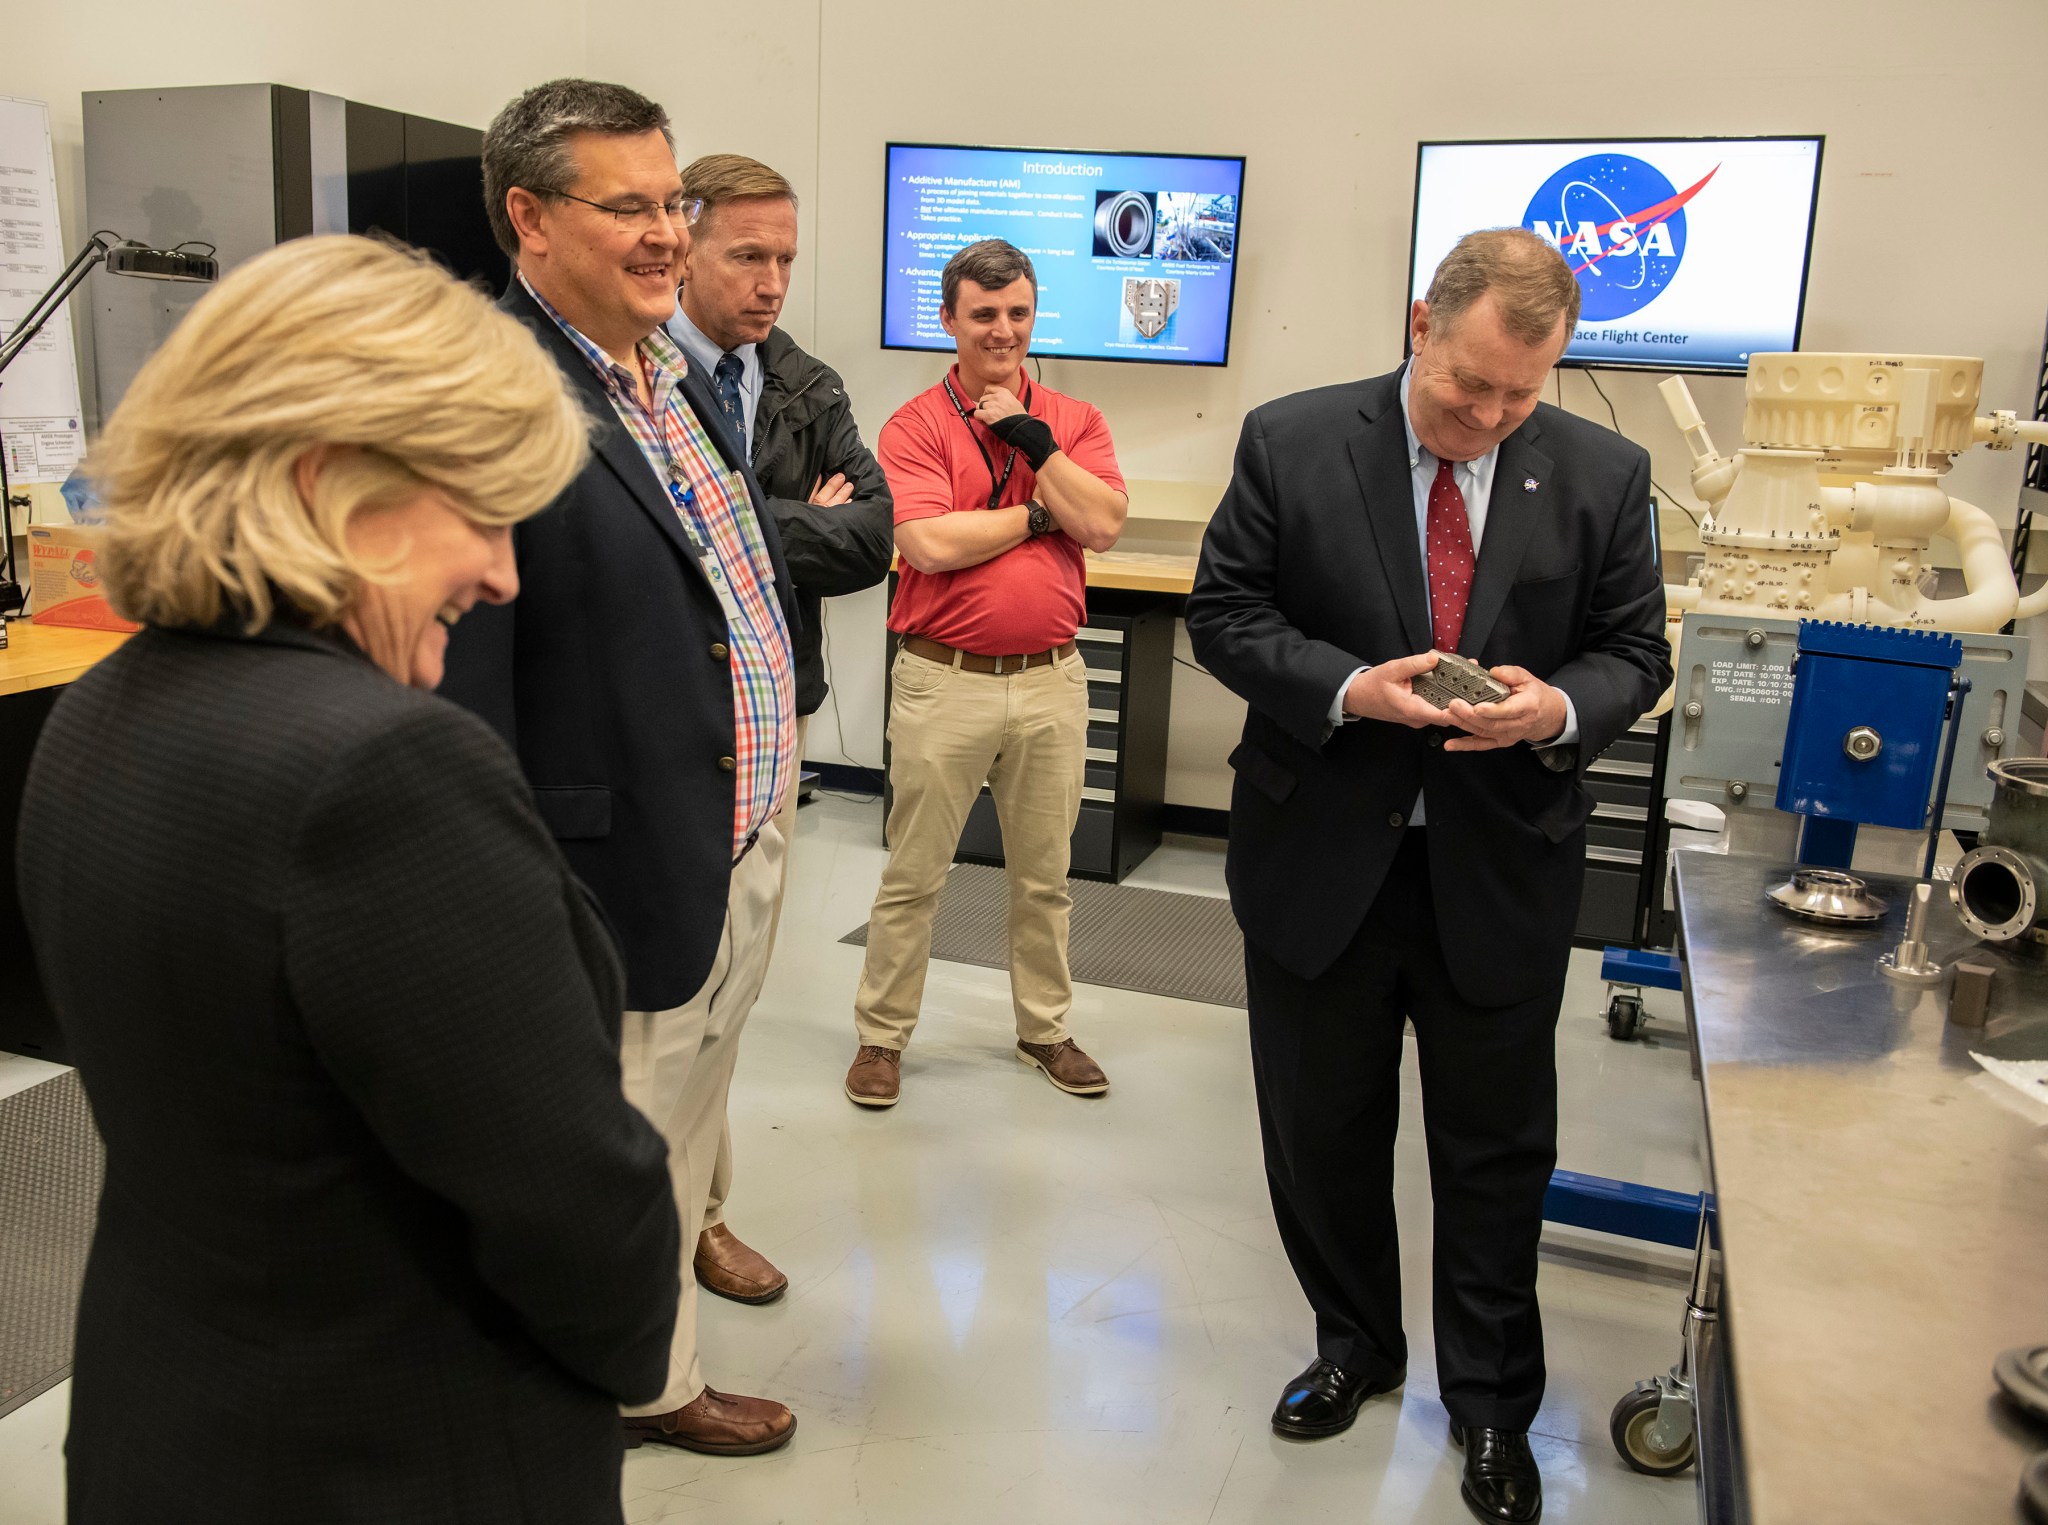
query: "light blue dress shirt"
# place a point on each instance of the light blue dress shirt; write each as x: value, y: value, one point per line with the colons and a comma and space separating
x: 705, y: 355
x: 1474, y: 480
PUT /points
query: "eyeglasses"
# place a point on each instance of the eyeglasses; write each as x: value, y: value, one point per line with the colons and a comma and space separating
x: 682, y: 211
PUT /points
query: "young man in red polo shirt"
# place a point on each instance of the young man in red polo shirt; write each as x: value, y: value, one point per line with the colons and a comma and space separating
x: 999, y: 485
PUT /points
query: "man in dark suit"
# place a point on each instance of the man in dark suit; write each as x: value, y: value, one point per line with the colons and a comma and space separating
x: 644, y: 676
x: 1391, y: 862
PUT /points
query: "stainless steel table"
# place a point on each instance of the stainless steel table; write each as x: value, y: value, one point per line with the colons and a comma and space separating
x: 1883, y: 1211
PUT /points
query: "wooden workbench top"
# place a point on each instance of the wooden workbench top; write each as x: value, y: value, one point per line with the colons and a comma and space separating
x: 1142, y: 571
x: 44, y: 656
x: 1138, y: 571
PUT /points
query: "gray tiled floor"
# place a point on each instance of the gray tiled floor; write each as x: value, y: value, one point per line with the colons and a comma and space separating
x: 1011, y: 1305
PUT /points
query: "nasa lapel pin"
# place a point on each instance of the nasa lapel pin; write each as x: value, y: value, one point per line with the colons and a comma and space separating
x: 1530, y: 484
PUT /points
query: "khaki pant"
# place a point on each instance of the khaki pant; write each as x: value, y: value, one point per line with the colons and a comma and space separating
x: 677, y: 1066
x: 785, y: 821
x: 1026, y: 734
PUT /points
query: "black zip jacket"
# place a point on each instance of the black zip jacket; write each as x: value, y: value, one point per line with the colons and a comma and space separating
x: 804, y: 432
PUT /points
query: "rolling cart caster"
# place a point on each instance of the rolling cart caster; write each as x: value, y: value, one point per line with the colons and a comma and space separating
x: 1627, y: 972
x: 1624, y: 1015
x: 1652, y: 1427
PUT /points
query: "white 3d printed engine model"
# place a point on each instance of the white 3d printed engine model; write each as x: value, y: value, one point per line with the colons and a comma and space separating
x: 1827, y: 510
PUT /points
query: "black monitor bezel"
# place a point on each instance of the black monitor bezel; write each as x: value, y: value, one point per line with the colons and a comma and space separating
x: 1230, y: 317
x: 1566, y: 362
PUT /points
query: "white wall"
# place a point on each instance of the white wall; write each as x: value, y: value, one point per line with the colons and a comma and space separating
x: 1930, y: 212
x: 1930, y: 225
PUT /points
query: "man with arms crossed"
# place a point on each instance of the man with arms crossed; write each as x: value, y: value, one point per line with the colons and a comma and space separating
x: 1439, y: 508
x: 643, y: 676
x: 824, y: 490
x: 999, y: 484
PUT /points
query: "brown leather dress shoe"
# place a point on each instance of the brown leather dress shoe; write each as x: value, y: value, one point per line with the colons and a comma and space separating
x: 717, y: 1424
x: 731, y: 1269
x: 1065, y: 1066
x: 876, y: 1079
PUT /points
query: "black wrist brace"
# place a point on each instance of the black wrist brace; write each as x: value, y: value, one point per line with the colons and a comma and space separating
x: 1030, y: 437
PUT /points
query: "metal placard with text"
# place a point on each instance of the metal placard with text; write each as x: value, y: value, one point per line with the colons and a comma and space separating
x: 1734, y: 695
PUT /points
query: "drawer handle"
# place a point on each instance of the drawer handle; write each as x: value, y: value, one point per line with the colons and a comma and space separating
x: 1621, y: 812
x: 1615, y: 855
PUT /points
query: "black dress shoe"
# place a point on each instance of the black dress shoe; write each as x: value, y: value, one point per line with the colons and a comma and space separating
x: 1324, y: 1400
x: 1501, y: 1481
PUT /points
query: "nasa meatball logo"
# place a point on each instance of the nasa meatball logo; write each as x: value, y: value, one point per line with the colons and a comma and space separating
x: 1620, y: 224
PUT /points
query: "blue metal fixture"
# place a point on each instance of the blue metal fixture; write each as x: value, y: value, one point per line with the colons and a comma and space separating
x: 1868, y: 707
x: 1641, y: 966
x: 1622, y: 1207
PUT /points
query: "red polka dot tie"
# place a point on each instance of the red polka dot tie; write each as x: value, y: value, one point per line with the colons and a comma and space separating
x: 1450, y: 558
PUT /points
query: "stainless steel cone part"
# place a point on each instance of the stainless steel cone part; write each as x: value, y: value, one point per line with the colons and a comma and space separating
x: 1827, y: 895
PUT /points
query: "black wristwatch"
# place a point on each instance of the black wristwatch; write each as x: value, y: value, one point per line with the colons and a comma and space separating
x: 1042, y: 521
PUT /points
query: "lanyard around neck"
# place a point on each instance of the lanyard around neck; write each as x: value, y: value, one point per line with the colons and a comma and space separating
x: 996, y: 484
x: 682, y: 492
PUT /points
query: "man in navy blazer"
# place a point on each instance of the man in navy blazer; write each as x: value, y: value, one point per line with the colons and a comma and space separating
x: 1393, y: 863
x: 644, y: 675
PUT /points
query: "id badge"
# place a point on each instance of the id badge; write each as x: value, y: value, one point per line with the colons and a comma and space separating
x: 721, y: 584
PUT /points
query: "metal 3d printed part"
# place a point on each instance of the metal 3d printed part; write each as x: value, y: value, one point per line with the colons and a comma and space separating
x: 1910, y: 963
x: 1826, y: 894
x: 1150, y: 304
x: 1456, y: 677
x: 1998, y: 885
x: 1124, y: 224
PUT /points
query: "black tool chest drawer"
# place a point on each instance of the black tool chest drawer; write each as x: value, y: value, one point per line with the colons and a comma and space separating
x: 1625, y: 839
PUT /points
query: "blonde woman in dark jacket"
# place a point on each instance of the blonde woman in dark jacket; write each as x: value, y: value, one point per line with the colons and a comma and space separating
x: 381, y: 1239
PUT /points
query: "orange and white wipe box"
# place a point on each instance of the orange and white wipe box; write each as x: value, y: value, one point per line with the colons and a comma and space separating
x: 64, y: 578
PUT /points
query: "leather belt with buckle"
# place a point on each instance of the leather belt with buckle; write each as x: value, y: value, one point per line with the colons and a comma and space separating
x: 974, y: 661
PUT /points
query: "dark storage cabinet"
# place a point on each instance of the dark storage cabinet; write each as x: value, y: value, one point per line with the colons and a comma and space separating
x: 422, y: 182
x: 27, y: 1025
x: 1128, y: 646
x: 247, y: 167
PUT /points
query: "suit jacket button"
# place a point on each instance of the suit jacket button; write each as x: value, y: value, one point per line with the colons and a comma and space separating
x: 719, y: 651
x: 1397, y: 819
x: 727, y: 764
x: 1436, y: 738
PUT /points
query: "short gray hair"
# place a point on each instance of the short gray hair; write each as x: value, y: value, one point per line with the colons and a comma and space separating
x: 991, y: 264
x: 527, y: 143
x: 1527, y: 276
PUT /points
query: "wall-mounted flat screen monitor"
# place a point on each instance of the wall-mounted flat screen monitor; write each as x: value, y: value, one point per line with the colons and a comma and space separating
x: 1136, y: 254
x: 1690, y: 252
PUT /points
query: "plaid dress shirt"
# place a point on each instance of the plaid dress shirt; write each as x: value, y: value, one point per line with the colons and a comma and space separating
x: 725, y: 533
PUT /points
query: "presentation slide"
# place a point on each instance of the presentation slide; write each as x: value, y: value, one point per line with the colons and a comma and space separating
x: 1691, y: 252
x: 1136, y: 254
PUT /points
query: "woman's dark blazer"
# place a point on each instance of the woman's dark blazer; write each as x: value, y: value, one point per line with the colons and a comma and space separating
x: 380, y: 1241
